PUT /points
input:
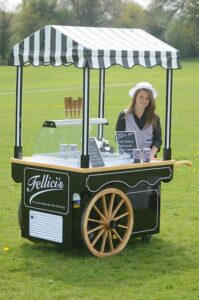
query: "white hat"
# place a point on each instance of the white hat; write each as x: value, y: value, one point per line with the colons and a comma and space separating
x: 143, y: 85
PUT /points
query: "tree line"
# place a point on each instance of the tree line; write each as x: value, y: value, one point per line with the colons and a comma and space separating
x: 173, y: 21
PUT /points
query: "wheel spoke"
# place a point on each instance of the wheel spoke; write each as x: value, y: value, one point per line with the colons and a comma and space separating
x: 117, y: 208
x: 104, y: 206
x: 122, y: 226
x: 95, y: 229
x: 117, y: 234
x: 104, y: 241
x: 98, y: 236
x: 121, y: 216
x: 110, y: 209
x: 99, y: 212
x: 110, y: 240
x: 95, y: 221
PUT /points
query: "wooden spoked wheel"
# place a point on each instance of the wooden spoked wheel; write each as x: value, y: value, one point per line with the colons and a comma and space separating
x: 107, y: 222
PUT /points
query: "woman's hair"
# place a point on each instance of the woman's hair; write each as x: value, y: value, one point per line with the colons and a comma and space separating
x: 151, y: 117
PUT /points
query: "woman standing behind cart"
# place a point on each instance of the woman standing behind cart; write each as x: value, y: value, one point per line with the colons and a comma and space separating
x: 141, y: 118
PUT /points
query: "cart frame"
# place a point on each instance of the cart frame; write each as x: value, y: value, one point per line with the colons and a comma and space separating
x: 106, y: 199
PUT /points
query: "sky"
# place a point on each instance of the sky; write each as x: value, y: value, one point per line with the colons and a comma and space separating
x: 143, y: 3
x: 11, y: 4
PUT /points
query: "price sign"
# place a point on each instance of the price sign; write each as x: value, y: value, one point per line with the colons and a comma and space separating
x: 94, y: 154
x: 126, y: 141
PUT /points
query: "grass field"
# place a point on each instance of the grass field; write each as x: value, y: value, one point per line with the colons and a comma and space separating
x: 166, y: 268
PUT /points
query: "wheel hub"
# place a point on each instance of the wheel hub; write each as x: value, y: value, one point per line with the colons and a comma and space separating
x: 113, y: 224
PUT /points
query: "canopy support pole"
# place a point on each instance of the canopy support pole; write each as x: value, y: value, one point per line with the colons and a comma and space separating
x: 85, y: 118
x: 101, y: 102
x: 169, y: 83
x: 18, y: 118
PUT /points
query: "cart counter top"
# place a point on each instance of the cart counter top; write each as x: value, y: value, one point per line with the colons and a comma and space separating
x: 31, y: 161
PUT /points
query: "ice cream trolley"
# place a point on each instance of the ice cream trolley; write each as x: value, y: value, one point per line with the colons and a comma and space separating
x: 82, y: 189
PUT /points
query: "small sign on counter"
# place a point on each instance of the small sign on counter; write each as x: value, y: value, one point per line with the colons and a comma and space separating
x: 96, y: 159
x: 126, y: 141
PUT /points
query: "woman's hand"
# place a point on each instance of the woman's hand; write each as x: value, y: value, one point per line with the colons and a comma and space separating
x: 154, y: 150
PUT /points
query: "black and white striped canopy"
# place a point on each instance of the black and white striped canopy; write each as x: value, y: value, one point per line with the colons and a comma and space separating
x: 97, y: 48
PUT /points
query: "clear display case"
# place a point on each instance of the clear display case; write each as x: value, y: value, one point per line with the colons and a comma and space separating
x: 59, y: 142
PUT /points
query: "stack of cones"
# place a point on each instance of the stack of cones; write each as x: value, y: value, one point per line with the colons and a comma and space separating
x: 73, y: 107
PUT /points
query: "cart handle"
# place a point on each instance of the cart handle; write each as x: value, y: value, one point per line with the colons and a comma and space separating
x: 182, y: 163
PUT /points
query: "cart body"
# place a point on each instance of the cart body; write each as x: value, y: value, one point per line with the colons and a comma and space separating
x: 54, y: 195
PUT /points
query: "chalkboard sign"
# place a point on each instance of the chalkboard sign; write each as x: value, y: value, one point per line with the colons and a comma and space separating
x: 94, y: 153
x: 126, y: 141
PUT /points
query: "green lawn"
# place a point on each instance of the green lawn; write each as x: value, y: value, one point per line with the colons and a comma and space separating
x: 165, y: 268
